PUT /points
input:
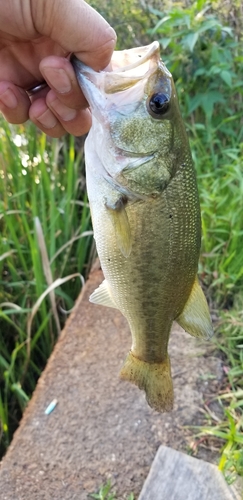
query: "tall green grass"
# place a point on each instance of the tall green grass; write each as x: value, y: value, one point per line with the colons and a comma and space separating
x: 202, y: 46
x: 229, y: 430
x: 44, y: 246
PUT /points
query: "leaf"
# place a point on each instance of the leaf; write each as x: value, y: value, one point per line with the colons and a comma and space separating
x: 208, y: 25
x: 159, y: 24
x: 226, y: 77
x: 199, y: 126
x: 228, y: 30
x: 46, y: 269
x: 18, y: 389
x: 164, y: 42
x: 70, y: 242
x: 58, y: 282
x: 190, y: 41
x: 195, y: 102
x: 209, y: 100
x: 156, y: 12
x: 7, y: 254
x: 4, y: 363
x: 199, y: 72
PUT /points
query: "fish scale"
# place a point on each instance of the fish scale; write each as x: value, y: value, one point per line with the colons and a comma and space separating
x: 145, y: 211
x: 155, y: 286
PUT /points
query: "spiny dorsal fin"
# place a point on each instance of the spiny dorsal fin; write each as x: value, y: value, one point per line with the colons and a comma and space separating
x: 195, y: 317
x: 102, y: 296
x: 118, y: 215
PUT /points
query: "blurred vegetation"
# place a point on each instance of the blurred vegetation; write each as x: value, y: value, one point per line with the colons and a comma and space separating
x: 106, y: 493
x: 201, y: 43
x: 131, y: 20
x: 45, y: 239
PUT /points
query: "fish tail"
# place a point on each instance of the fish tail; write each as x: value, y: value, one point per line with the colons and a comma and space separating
x: 153, y: 378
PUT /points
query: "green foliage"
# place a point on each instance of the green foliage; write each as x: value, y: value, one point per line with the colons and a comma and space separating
x: 205, y: 55
x: 44, y: 218
x: 129, y: 20
x: 105, y: 493
x: 230, y: 329
x: 206, y: 60
x: 222, y: 227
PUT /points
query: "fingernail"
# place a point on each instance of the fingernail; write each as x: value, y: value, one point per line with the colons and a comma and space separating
x: 66, y: 114
x: 47, y: 119
x: 9, y: 99
x: 58, y: 79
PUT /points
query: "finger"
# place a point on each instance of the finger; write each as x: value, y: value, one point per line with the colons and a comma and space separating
x: 84, y: 32
x: 60, y: 76
x: 75, y: 122
x: 41, y: 115
x: 14, y: 103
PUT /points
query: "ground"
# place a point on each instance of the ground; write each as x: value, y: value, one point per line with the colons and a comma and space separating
x: 102, y: 427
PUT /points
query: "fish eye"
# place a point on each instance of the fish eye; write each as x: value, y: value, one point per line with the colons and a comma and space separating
x: 159, y: 104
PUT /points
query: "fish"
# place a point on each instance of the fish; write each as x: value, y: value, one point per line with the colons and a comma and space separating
x: 145, y: 211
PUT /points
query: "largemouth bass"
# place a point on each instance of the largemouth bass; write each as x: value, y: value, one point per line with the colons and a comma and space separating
x: 145, y: 211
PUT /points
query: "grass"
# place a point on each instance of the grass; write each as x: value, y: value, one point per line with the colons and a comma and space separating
x: 44, y: 245
x: 229, y: 430
x: 105, y: 493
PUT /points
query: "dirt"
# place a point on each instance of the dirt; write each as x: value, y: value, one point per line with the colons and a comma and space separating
x: 102, y: 427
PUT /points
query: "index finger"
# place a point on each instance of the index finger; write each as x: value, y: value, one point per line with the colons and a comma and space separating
x: 60, y: 76
x: 78, y: 28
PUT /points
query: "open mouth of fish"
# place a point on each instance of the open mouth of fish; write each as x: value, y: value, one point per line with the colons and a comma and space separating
x: 120, y: 85
x: 126, y: 69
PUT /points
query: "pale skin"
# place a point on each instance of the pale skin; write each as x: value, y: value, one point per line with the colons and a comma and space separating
x: 36, y: 38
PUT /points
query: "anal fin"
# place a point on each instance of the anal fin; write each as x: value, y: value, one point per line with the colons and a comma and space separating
x: 195, y: 317
x: 102, y: 296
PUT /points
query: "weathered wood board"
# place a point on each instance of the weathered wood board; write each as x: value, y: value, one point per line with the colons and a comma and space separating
x: 177, y: 476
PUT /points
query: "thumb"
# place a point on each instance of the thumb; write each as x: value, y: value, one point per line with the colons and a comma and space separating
x: 77, y: 27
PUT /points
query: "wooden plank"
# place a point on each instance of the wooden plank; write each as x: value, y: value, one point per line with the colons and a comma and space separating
x: 176, y: 476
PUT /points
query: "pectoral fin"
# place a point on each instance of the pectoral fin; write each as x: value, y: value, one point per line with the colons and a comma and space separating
x: 195, y: 317
x: 102, y: 296
x: 118, y: 215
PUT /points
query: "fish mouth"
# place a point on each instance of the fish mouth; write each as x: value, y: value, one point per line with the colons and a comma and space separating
x: 126, y: 68
x: 127, y: 60
x: 128, y: 71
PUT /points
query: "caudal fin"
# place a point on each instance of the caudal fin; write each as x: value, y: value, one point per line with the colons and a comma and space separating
x: 153, y: 378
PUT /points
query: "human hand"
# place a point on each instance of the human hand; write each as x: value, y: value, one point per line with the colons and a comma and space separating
x: 36, y: 37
